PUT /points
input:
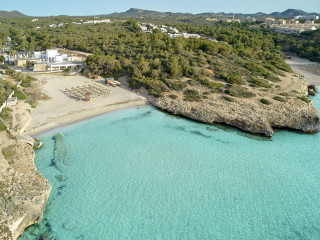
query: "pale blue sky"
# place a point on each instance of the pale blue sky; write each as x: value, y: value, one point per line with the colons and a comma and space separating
x: 92, y: 7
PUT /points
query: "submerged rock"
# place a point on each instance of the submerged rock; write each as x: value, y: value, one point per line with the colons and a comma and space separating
x: 35, y: 231
x: 61, y: 159
x: 67, y: 227
x: 61, y: 178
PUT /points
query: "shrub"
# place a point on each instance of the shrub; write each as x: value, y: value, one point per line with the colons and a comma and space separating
x: 26, y: 82
x: 260, y: 82
x: 239, y: 91
x: 19, y: 94
x: 265, y: 101
x: 191, y: 95
x: 6, y: 115
x: 274, y: 78
x: 285, y: 94
x: 229, y: 99
x: 280, y: 99
x: 3, y: 127
x: 304, y: 98
x: 8, y: 153
x: 211, y: 84
x: 232, y: 78
x: 134, y: 84
x: 193, y: 83
x: 173, y: 96
x: 155, y: 94
x: 176, y: 84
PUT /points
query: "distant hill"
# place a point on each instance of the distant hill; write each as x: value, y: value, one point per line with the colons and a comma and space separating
x: 12, y: 14
x: 289, y: 13
x: 138, y: 13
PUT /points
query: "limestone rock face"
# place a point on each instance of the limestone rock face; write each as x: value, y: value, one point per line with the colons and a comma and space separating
x: 248, y: 115
x: 23, y: 191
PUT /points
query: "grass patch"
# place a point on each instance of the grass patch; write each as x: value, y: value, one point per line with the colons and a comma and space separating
x: 19, y: 94
x: 9, y: 153
x: 265, y: 101
x: 6, y: 115
x: 279, y: 99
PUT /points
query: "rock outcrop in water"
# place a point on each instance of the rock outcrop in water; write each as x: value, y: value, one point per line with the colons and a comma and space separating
x: 248, y: 117
x: 23, y: 191
x: 61, y: 159
x: 287, y: 107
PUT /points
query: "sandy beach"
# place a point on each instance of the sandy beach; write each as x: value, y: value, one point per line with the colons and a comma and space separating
x: 61, y: 109
x: 300, y: 64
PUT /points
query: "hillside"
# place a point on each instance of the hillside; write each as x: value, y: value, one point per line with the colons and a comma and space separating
x: 12, y: 14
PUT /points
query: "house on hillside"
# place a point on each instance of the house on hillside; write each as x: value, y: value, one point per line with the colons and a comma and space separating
x: 12, y: 101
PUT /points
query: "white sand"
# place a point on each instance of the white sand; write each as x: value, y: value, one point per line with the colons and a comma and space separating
x: 309, y: 77
x: 61, y: 109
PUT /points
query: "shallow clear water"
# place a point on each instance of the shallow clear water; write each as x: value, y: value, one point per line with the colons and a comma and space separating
x: 139, y: 173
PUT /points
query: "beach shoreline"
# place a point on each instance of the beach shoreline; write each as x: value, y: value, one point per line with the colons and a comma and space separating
x: 74, y: 118
x: 60, y: 109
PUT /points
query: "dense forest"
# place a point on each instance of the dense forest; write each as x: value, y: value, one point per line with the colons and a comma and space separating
x: 157, y: 62
x: 307, y: 45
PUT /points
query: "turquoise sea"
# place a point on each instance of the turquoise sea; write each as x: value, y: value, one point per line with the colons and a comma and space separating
x: 139, y: 173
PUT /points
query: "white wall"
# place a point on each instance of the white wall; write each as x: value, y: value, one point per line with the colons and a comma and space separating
x: 51, y: 55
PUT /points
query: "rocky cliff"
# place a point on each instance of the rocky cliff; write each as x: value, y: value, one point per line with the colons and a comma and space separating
x: 23, y: 191
x: 286, y: 106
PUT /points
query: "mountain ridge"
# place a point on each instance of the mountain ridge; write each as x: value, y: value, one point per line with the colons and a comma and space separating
x: 136, y: 13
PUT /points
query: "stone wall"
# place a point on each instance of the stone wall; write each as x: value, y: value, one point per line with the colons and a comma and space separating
x: 20, y: 63
x: 40, y: 67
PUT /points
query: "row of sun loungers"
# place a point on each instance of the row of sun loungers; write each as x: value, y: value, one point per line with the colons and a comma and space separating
x: 311, y: 68
x: 80, y: 92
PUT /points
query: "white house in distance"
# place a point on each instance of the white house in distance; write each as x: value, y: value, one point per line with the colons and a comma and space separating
x: 313, y: 17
